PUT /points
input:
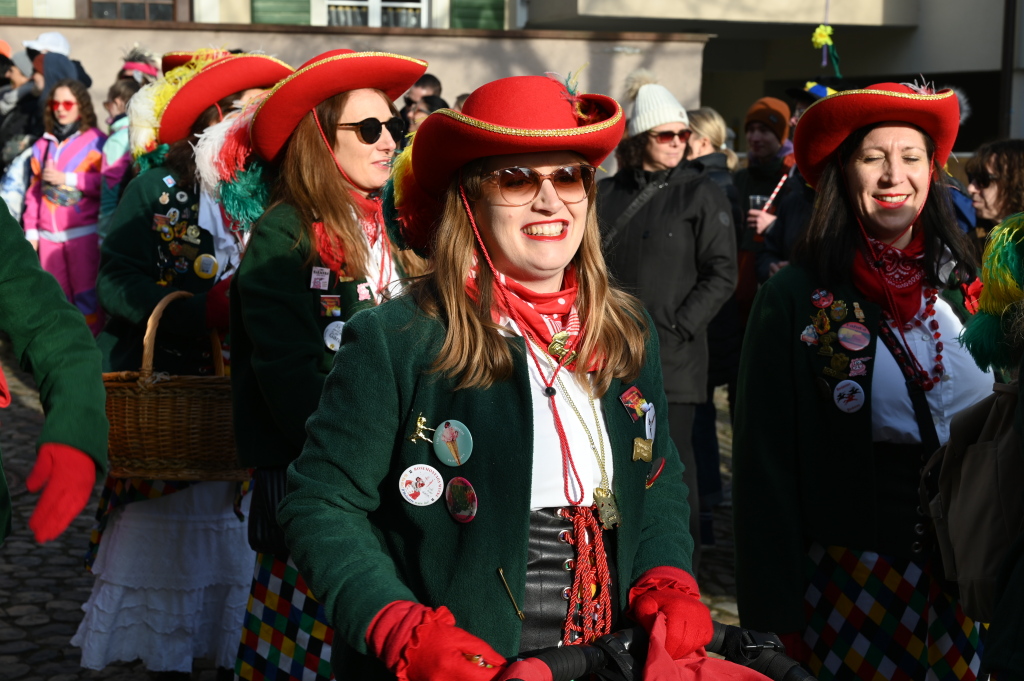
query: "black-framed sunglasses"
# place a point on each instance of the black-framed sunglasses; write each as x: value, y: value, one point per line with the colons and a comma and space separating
x: 370, y: 129
x: 520, y: 185
x: 981, y: 180
x: 666, y: 136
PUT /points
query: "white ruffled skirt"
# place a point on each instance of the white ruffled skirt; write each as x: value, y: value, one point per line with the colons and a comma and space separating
x: 172, y: 582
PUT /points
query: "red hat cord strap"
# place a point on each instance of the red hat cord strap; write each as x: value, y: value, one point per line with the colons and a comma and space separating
x: 330, y: 150
x: 220, y: 114
x: 568, y: 465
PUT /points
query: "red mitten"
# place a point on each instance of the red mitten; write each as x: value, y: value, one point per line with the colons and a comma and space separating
x: 673, y: 592
x: 218, y: 305
x: 531, y: 669
x: 69, y: 476
x: 418, y: 643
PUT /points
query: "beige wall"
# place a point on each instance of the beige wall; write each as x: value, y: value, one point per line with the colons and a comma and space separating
x: 462, y: 63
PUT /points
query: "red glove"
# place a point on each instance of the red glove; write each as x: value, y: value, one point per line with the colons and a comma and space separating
x: 69, y: 476
x: 418, y: 643
x: 673, y: 592
x: 218, y: 305
x: 527, y: 670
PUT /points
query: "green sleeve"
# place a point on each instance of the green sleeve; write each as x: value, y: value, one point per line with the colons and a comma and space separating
x: 334, y: 485
x: 127, y: 283
x: 287, y: 345
x: 51, y: 339
x: 770, y: 550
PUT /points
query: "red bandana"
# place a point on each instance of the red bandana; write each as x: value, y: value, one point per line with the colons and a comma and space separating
x: 372, y: 221
x: 544, y: 314
x: 897, y: 283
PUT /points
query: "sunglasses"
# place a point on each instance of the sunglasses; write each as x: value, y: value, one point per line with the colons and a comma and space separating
x: 67, y: 106
x: 519, y: 186
x: 370, y: 129
x: 981, y: 180
x: 667, y: 136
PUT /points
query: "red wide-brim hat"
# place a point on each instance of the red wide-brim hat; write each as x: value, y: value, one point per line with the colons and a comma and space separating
x: 213, y: 83
x: 827, y: 123
x: 322, y: 77
x: 173, y: 60
x: 517, y: 115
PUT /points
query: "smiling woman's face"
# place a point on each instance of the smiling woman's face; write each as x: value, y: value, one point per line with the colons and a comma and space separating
x: 534, y: 243
x: 889, y: 176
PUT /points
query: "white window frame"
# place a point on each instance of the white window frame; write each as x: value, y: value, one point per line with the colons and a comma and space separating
x: 430, y: 11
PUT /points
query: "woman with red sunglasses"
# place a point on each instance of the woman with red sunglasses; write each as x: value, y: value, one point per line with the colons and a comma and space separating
x: 63, y: 200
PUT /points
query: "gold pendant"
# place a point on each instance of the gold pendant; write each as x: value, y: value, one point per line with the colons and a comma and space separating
x: 557, y: 348
x: 607, y: 510
x: 642, y: 449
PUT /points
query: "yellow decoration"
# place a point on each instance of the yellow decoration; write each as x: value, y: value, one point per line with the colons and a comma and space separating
x: 1001, y: 263
x: 822, y: 36
x: 401, y: 171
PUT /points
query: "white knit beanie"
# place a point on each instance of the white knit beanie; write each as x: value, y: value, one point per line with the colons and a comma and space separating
x: 653, y: 104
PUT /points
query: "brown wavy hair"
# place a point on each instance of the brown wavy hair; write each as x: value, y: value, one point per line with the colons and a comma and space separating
x: 1007, y: 160
x: 308, y: 180
x: 474, y: 351
x: 86, y: 114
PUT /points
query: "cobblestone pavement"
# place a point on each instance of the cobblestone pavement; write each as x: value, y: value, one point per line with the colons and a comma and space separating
x: 42, y: 587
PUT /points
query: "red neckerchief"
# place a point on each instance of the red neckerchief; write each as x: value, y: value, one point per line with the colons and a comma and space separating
x: 544, y: 314
x: 372, y: 221
x: 901, y: 273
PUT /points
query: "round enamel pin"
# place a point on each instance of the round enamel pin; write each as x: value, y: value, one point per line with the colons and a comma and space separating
x: 421, y: 485
x: 848, y: 396
x: 181, y: 197
x: 453, y: 443
x: 461, y: 500
x: 205, y: 266
x: 821, y: 298
x: 854, y: 336
x: 332, y: 335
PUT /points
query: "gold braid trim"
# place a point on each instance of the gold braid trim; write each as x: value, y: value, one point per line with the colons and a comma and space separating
x: 883, y: 93
x: 531, y: 132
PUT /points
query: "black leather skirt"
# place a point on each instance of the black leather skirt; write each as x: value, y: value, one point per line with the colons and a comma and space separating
x: 549, y: 575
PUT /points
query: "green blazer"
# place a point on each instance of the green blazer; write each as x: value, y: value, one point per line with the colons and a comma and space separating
x: 144, y: 258
x: 360, y: 546
x: 803, y: 469
x: 50, y: 339
x: 279, y: 356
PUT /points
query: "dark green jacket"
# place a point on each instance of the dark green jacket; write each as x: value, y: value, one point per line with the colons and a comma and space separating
x: 143, y: 259
x: 360, y: 546
x: 803, y: 469
x: 279, y: 359
x: 50, y: 339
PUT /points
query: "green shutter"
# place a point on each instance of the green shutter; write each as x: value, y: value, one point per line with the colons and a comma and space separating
x: 478, y: 14
x: 9, y: 8
x: 279, y: 12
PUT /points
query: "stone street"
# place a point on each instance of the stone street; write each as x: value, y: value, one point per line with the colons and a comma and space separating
x: 42, y: 587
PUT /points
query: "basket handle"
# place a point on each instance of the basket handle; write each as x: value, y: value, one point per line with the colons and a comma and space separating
x: 149, y: 340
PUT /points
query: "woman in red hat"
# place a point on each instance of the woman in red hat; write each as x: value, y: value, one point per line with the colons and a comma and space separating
x: 850, y: 373
x: 489, y: 472
x: 184, y: 600
x: 318, y: 255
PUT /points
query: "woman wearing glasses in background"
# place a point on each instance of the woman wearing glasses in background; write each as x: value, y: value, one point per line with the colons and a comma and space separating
x: 318, y: 255
x: 63, y: 201
x: 670, y: 240
x: 995, y: 176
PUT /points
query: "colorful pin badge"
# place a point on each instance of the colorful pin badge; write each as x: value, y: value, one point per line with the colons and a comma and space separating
x: 421, y: 485
x: 461, y: 500
x: 857, y: 312
x: 821, y: 322
x: 332, y: 335
x: 165, y: 198
x: 854, y: 336
x: 173, y: 215
x: 633, y: 401
x: 330, y: 306
x: 452, y: 441
x: 848, y: 396
x: 858, y: 366
x: 837, y: 311
x: 192, y: 234
x: 643, y: 450
x: 821, y: 298
x: 657, y: 466
x: 650, y: 421
x: 206, y: 266
x: 169, y: 181
x: 809, y: 335
x: 320, y: 279
x: 182, y: 197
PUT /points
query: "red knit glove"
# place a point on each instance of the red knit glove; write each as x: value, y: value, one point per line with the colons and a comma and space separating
x: 68, y: 475
x: 418, y: 643
x: 218, y: 305
x: 673, y: 592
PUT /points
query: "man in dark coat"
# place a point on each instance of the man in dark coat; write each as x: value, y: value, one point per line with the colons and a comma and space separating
x: 676, y: 252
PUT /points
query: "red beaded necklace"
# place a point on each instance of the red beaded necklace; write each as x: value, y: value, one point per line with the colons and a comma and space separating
x: 907, y: 361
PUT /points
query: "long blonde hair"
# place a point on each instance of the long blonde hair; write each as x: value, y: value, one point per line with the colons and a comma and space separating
x: 474, y: 351
x: 709, y: 124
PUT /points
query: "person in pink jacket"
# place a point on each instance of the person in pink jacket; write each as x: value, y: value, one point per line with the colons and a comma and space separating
x: 63, y: 200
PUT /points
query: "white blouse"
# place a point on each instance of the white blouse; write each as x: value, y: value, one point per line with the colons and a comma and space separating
x: 892, y: 415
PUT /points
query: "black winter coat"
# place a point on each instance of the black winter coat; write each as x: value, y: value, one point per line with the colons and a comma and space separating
x: 793, y: 216
x: 678, y: 255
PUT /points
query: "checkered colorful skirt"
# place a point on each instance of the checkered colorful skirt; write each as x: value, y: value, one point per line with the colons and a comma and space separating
x: 877, y: 618
x: 285, y: 636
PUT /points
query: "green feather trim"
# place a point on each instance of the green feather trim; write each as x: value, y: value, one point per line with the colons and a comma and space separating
x: 246, y: 198
x: 394, y: 227
x: 1003, y: 269
x: 152, y: 159
x: 986, y: 339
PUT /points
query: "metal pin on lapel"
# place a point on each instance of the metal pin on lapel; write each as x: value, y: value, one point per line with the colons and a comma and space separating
x: 519, y: 612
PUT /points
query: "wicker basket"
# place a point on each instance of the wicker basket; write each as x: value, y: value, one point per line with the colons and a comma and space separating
x: 171, y: 427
